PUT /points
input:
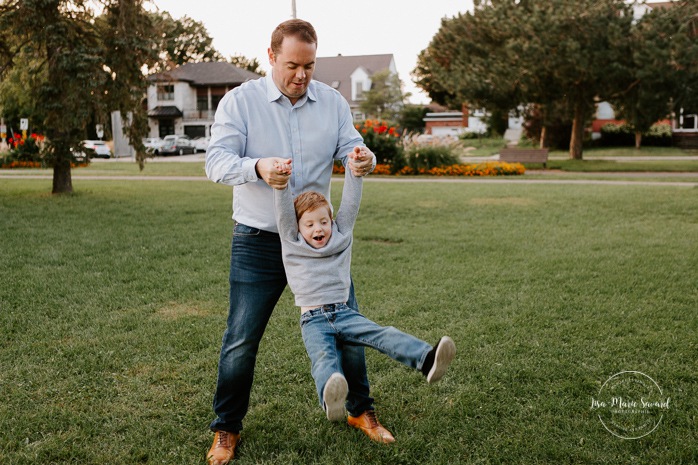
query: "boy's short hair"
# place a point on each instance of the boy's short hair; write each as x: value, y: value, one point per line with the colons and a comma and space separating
x: 303, y: 30
x: 310, y: 201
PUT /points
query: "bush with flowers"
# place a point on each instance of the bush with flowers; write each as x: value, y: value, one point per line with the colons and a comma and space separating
x: 24, y: 153
x: 384, y: 140
x: 412, y: 155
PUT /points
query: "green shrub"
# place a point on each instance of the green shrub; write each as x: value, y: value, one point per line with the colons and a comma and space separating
x: 430, y: 156
x: 614, y: 135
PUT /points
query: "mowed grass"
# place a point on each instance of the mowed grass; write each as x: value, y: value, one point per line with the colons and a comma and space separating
x: 113, y: 303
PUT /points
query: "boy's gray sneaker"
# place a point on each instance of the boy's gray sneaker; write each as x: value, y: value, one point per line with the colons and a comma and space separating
x: 444, y: 352
x: 334, y: 395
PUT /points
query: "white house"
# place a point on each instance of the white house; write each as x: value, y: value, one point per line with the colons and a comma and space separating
x: 351, y: 75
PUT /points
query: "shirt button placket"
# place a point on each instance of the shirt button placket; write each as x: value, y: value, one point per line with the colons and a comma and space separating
x: 296, y: 148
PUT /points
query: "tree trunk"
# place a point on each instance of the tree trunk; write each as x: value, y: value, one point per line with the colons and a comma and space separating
x: 62, y: 179
x: 543, y: 133
x: 577, y: 138
x: 638, y: 139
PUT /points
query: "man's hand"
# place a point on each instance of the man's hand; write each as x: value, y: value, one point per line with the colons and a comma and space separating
x: 274, y: 171
x: 361, y: 161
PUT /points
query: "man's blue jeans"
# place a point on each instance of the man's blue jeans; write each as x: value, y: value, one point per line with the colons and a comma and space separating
x: 257, y: 280
x: 328, y: 331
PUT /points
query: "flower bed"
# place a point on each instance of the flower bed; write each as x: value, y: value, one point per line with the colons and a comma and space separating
x: 494, y: 168
x: 21, y: 164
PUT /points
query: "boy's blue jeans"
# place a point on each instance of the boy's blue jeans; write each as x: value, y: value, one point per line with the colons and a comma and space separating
x: 329, y: 331
x: 257, y: 279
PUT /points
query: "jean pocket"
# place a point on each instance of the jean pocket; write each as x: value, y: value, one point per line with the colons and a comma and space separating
x: 244, y: 230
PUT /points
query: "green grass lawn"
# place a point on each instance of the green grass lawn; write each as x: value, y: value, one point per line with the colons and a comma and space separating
x: 623, y: 152
x: 113, y: 303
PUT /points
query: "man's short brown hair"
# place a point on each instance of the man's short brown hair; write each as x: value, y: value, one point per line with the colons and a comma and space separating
x: 303, y: 30
x: 310, y: 201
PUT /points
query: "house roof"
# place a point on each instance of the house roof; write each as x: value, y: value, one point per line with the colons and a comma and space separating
x: 336, y: 71
x: 207, y: 73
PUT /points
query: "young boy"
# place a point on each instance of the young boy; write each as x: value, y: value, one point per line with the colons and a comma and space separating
x: 317, y: 257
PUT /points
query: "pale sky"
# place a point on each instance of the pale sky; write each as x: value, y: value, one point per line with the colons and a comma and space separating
x: 355, y: 27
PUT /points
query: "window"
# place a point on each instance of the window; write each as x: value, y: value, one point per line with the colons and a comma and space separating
x: 166, y: 92
x: 215, y: 100
x: 202, y: 102
x: 358, y: 91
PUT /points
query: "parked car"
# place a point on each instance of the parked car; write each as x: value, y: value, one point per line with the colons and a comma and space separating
x: 201, y: 143
x: 92, y: 149
x: 177, y: 145
x: 153, y: 144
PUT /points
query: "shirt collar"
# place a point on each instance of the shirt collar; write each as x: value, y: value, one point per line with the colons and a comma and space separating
x: 274, y: 94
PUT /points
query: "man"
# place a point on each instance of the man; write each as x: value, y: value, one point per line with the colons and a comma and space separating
x: 257, y: 126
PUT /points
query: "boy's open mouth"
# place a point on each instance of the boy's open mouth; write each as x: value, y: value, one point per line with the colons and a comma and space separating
x: 319, y: 237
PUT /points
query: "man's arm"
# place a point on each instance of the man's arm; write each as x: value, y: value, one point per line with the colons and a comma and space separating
x: 226, y: 162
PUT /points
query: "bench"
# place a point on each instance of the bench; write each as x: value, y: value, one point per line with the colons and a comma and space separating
x: 524, y: 155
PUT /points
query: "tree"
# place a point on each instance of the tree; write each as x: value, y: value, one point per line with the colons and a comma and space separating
x: 182, y: 41
x: 88, y: 67
x: 384, y: 99
x: 412, y: 118
x: 125, y: 27
x: 468, y: 60
x: 250, y: 64
x: 186, y: 40
x: 15, y: 102
x: 664, y: 62
x: 510, y: 53
x: 686, y: 45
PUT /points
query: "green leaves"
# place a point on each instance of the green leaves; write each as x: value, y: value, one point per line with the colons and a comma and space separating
x: 567, y: 53
x: 82, y: 68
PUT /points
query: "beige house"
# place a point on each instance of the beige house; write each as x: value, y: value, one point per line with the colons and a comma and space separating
x: 184, y: 100
x: 351, y: 75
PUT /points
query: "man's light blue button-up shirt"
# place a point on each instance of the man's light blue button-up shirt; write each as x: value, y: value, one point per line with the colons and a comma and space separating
x: 255, y: 120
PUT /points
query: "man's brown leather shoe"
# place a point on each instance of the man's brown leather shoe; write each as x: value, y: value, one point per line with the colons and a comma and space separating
x: 368, y: 423
x: 223, y: 449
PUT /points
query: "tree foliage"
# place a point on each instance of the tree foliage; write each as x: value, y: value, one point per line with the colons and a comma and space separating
x: 659, y: 70
x: 411, y: 118
x: 84, y: 68
x: 127, y: 40
x: 554, y: 54
x: 181, y: 41
x: 250, y: 64
x: 385, y: 98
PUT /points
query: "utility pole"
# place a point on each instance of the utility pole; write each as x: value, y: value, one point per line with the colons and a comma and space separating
x: 293, y: 9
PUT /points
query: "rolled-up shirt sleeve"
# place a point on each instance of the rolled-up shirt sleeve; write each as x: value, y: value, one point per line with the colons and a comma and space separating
x: 349, y: 137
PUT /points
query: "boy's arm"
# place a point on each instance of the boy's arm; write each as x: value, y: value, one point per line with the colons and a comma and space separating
x: 351, y: 200
x: 285, y: 214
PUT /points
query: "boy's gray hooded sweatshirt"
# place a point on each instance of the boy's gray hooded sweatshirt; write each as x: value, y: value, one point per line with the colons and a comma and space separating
x: 319, y: 276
